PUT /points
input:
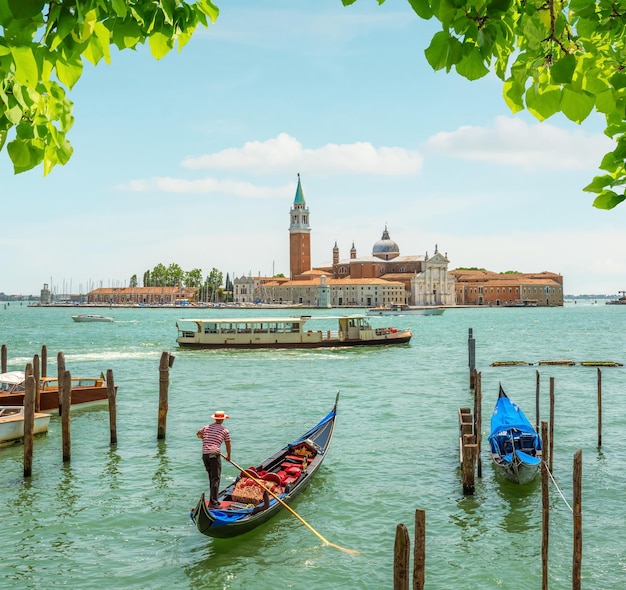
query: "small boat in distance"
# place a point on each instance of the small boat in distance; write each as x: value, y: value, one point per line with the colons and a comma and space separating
x: 12, y: 423
x: 619, y: 301
x: 515, y: 444
x: 83, y: 317
x: 406, y: 310
x: 85, y: 391
x: 286, y: 473
x: 284, y: 332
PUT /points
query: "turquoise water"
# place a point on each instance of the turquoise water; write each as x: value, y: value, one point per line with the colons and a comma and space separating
x: 119, y: 517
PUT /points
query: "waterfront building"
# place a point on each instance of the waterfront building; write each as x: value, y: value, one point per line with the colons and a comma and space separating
x: 483, y: 287
x: 143, y: 295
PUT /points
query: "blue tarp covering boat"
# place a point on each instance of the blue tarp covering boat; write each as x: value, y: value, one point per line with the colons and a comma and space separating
x: 515, y: 444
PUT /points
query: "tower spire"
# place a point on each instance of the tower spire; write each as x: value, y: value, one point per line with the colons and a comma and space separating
x: 299, y: 235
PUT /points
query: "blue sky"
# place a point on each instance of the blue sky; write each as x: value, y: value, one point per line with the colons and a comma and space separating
x: 193, y: 160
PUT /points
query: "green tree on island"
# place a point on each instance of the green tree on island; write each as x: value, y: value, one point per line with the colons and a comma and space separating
x: 567, y: 57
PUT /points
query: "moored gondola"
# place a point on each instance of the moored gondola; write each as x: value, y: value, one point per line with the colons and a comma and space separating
x: 515, y: 444
x: 244, y: 504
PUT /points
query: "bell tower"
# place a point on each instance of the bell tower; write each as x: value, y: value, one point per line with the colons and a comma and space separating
x: 299, y: 235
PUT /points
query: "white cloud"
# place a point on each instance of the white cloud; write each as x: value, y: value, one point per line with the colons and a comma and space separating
x: 283, y: 154
x: 513, y: 142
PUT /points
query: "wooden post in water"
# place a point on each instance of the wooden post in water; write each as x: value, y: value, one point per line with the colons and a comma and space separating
x: 551, y: 423
x: 465, y: 428
x: 29, y: 421
x: 469, y: 459
x: 164, y: 381
x: 44, y: 361
x: 478, y: 402
x: 65, y: 396
x: 545, y: 509
x: 537, y: 401
x: 577, y: 509
x: 37, y: 383
x: 112, y: 407
x: 60, y: 373
x: 419, y: 551
x: 401, y: 553
x: 599, y: 408
x: 471, y: 345
x: 3, y: 359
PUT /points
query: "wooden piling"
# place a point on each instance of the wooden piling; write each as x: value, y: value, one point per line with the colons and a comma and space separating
x: 469, y: 459
x: 112, y: 407
x: 3, y: 359
x: 551, y: 437
x: 164, y: 379
x: 29, y: 422
x: 471, y: 346
x: 60, y: 373
x: 65, y: 396
x: 599, y: 408
x: 36, y: 375
x: 465, y: 427
x: 478, y: 402
x: 401, y: 553
x: 545, y: 510
x: 537, y: 379
x: 44, y: 361
x: 577, y: 509
x: 419, y: 551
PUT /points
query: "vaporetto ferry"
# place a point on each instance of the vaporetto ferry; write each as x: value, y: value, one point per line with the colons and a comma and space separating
x: 285, y: 332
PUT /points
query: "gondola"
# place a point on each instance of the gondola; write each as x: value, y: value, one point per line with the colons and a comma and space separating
x: 286, y: 473
x: 515, y: 444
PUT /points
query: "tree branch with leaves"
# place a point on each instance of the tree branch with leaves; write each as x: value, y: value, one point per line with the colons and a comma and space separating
x: 42, y: 48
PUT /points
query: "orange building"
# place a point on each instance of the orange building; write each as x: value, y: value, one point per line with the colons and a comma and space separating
x: 483, y: 287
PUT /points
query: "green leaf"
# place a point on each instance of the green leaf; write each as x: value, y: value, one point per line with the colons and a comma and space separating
x: 513, y: 93
x: 207, y: 7
x: 168, y: 7
x: 23, y: 155
x: 543, y: 104
x: 13, y: 113
x: 69, y: 71
x: 23, y: 9
x: 119, y: 6
x: 26, y: 70
x: 608, y: 200
x: 610, y: 163
x: 576, y: 106
x: 422, y: 8
x: 618, y: 81
x: 437, y: 52
x: 598, y: 184
x: 160, y: 44
x: 563, y: 70
x: 472, y: 66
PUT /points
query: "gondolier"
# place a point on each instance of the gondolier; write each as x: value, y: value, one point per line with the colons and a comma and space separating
x: 213, y: 435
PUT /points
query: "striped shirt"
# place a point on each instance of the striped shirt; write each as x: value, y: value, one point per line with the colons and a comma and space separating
x: 213, y: 435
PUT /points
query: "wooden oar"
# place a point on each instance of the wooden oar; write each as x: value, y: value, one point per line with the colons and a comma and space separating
x: 306, y: 524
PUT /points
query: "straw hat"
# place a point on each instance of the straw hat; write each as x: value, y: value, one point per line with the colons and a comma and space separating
x: 220, y: 415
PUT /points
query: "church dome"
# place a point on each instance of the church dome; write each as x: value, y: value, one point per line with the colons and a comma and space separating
x: 385, y: 246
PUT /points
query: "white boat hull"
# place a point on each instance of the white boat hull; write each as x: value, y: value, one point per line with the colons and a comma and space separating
x: 12, y: 423
x: 92, y: 318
